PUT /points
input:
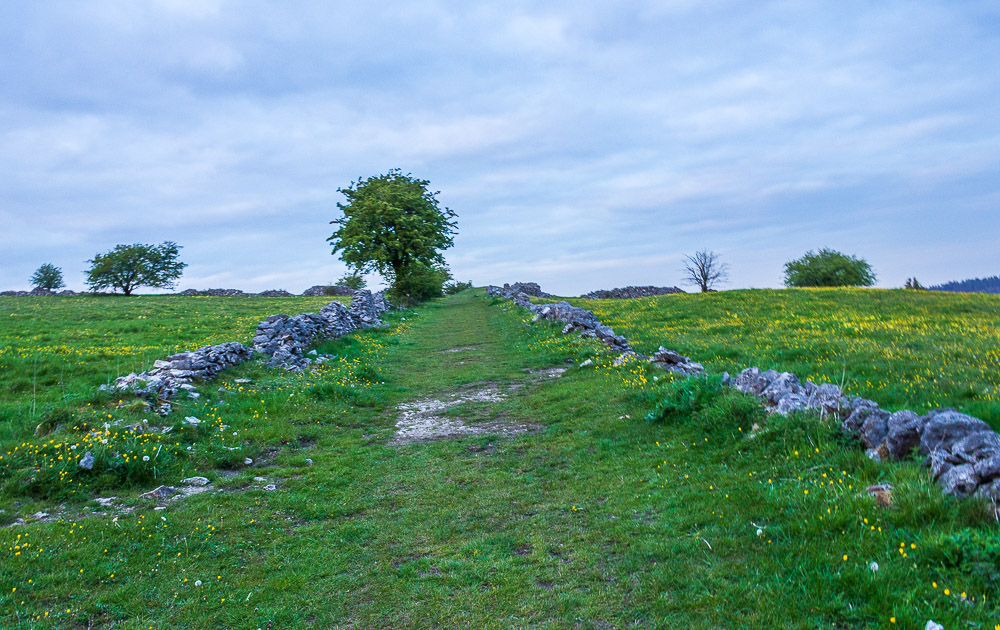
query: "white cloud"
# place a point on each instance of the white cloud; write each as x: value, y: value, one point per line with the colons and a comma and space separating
x: 585, y: 144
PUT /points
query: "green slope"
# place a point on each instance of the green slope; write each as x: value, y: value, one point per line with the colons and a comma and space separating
x: 594, y: 519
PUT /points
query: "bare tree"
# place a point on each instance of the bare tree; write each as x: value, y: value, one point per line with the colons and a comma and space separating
x: 705, y: 270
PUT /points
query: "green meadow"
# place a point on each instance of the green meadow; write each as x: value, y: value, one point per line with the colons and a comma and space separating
x: 904, y: 349
x: 319, y: 516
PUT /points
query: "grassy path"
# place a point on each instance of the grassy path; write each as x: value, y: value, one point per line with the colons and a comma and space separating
x: 496, y: 531
x: 596, y: 519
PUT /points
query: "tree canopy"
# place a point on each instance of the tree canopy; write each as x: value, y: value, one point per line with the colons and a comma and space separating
x: 393, y: 225
x: 828, y: 268
x: 48, y: 276
x: 128, y: 267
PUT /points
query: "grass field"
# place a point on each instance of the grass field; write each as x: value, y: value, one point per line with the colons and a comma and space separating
x: 904, y: 349
x: 597, y: 519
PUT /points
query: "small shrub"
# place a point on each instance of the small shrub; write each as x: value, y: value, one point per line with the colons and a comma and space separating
x: 417, y: 284
x: 685, y: 397
x: 353, y: 281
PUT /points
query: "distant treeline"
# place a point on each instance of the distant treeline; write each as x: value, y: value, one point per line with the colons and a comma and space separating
x: 975, y: 285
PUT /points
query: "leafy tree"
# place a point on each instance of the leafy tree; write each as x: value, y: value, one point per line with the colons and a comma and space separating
x: 913, y: 283
x: 48, y: 276
x: 393, y: 225
x: 128, y: 267
x: 705, y: 270
x: 828, y: 268
x: 352, y: 281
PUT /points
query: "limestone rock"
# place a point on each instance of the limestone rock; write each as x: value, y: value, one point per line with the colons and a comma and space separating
x: 945, y: 427
x: 903, y: 430
x: 976, y: 447
x: 988, y: 468
x: 159, y: 493
x: 87, y: 461
x: 960, y: 481
x: 867, y: 422
x: 675, y: 362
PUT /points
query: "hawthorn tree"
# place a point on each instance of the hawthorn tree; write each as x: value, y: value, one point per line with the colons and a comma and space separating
x: 705, y: 270
x: 48, y: 276
x: 128, y: 267
x: 828, y: 268
x: 393, y: 225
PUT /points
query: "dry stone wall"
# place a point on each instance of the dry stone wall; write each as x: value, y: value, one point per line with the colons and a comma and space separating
x: 963, y: 452
x: 283, y: 339
x: 320, y: 290
x: 216, y: 292
x: 626, y: 293
x: 584, y: 321
x: 37, y: 292
x: 179, y: 371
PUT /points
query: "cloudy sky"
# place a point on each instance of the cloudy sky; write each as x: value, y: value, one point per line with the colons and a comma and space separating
x: 583, y: 144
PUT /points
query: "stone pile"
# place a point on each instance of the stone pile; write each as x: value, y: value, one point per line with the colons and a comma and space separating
x: 628, y: 293
x: 674, y: 362
x: 331, y: 290
x: 275, y: 293
x: 179, y: 371
x: 963, y: 452
x: 286, y: 339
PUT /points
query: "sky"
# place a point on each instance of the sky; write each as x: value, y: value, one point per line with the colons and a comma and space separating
x: 584, y: 145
